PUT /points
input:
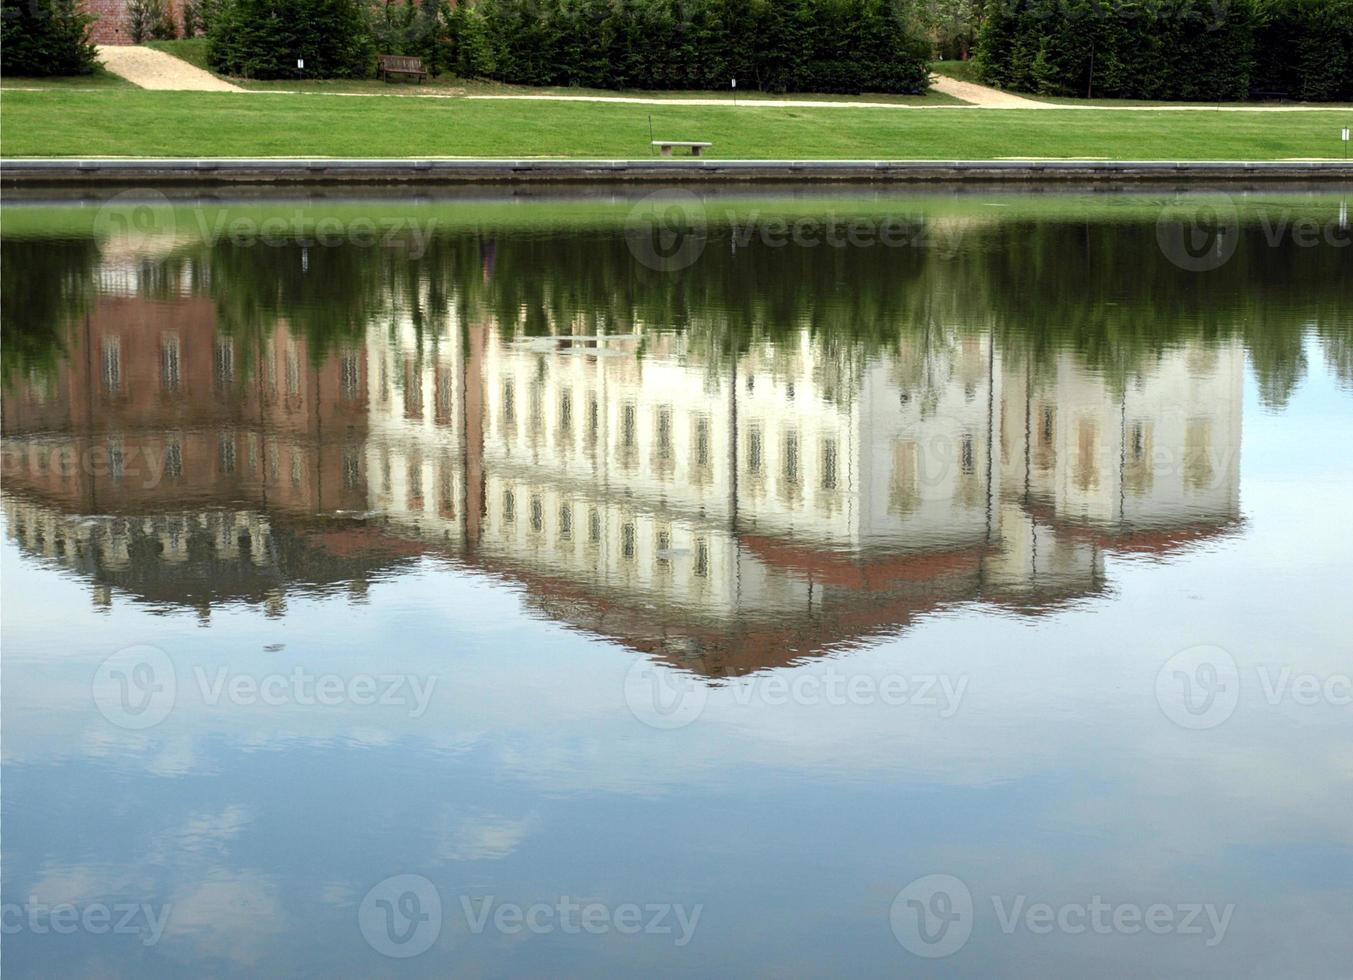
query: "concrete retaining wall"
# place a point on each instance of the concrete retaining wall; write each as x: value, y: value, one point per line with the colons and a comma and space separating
x: 321, y: 171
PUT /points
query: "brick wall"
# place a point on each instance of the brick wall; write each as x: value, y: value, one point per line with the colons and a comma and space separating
x: 111, y: 26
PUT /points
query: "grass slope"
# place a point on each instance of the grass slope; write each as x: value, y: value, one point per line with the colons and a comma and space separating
x: 186, y: 124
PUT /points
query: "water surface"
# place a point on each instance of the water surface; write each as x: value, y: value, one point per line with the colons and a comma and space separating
x: 920, y: 584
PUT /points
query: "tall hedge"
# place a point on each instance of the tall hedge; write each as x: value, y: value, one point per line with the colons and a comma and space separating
x: 1305, y: 48
x: 266, y: 38
x: 1199, y: 50
x: 771, y: 45
x: 1141, y: 49
x: 45, y: 37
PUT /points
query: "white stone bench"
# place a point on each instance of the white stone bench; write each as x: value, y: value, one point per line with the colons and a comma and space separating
x: 665, y: 146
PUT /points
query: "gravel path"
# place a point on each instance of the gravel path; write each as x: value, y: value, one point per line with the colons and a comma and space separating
x: 981, y: 95
x: 153, y: 69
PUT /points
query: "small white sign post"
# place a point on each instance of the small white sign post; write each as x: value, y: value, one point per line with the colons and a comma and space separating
x: 1345, y: 138
x: 735, y: 91
x: 300, y: 62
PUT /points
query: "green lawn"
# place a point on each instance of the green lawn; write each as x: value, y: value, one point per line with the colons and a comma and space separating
x: 190, y: 49
x: 132, y: 122
x: 100, y: 79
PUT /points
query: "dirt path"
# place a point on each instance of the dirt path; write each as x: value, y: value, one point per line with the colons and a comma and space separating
x: 156, y: 70
x: 981, y: 95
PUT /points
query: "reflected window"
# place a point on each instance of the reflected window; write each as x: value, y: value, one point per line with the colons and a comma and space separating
x: 447, y: 503
x: 790, y: 464
x: 627, y: 535
x: 702, y: 557
x: 413, y: 389
x: 112, y: 364
x: 293, y: 369
x: 593, y: 526
x: 223, y: 366
x: 829, y: 464
x: 1198, y: 468
x: 173, y: 460
x: 628, y: 414
x: 537, y: 408
x: 537, y: 514
x: 904, y: 483
x: 755, y: 451
x: 665, y: 432
x: 227, y: 453
x: 350, y: 376
x: 1087, y: 455
x: 509, y: 507
x: 566, y: 412
x: 1045, y: 452
x: 444, y: 390
x: 415, y: 478
x: 117, y: 463
x: 1139, y: 470
x: 352, y: 469
x: 565, y: 522
x: 170, y: 364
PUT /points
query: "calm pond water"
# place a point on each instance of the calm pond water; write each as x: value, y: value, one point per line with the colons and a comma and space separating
x: 581, y: 584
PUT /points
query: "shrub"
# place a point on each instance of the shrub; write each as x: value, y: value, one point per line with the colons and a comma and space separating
x: 45, y: 37
x: 150, y: 20
x: 194, y: 18
x: 467, y: 52
x: 266, y: 38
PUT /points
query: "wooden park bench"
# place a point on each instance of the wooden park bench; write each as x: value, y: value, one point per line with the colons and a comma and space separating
x: 665, y: 146
x: 399, y: 64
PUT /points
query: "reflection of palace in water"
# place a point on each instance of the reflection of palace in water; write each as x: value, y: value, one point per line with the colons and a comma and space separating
x: 725, y: 511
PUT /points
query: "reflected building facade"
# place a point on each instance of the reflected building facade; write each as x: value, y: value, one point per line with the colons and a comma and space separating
x: 723, y: 511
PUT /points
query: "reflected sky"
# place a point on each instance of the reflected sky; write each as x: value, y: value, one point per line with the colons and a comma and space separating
x: 752, y: 595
